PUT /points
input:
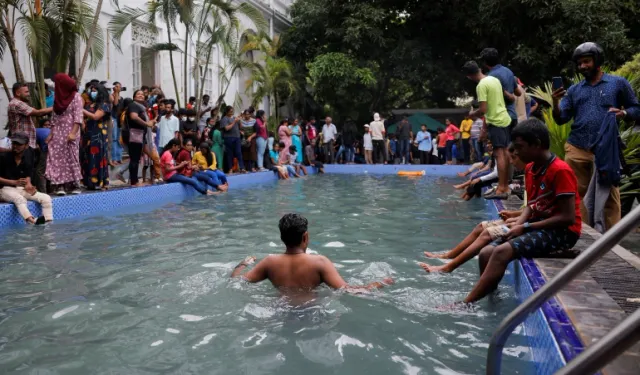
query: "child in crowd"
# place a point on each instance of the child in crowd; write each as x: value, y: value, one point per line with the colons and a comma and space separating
x: 279, y: 166
x: 483, y: 234
x: 311, y: 156
x: 551, y: 220
x: 293, y: 156
x: 393, y: 148
x: 368, y: 145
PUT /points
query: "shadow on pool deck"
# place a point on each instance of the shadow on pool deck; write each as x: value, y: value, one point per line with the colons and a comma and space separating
x: 602, y: 296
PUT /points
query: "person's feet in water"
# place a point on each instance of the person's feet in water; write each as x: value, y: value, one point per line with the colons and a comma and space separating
x: 462, y: 174
x: 443, y: 255
x: 459, y: 186
x: 434, y: 269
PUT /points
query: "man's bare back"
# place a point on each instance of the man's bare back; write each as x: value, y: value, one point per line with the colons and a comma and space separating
x: 295, y: 268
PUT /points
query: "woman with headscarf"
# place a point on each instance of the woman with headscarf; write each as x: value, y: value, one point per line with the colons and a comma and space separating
x: 95, y: 166
x: 63, y: 163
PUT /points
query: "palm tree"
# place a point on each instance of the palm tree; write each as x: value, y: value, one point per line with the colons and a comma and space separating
x: 166, y: 10
x: 94, y: 30
x: 217, y: 23
x: 7, y: 35
x: 275, y: 77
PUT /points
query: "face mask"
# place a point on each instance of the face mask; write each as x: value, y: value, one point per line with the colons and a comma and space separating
x: 94, y: 95
x: 192, y: 119
x: 183, y: 118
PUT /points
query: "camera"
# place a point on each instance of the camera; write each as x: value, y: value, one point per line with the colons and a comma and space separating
x: 123, y: 89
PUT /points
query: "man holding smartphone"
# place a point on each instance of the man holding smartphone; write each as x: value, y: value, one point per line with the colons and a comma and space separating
x: 587, y: 103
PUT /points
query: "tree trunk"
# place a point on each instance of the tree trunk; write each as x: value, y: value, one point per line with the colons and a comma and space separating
x: 3, y: 82
x: 186, y: 62
x: 275, y: 108
x: 173, y: 70
x: 92, y: 33
x: 204, y: 75
x: 11, y: 42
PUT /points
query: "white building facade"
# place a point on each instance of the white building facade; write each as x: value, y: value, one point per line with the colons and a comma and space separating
x: 129, y: 68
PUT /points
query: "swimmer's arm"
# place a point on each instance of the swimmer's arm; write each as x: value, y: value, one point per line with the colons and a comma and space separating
x: 257, y: 274
x: 332, y: 278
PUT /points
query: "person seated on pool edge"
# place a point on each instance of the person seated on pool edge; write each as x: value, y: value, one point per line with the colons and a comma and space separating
x: 550, y: 221
x: 482, y: 235
x: 295, y: 268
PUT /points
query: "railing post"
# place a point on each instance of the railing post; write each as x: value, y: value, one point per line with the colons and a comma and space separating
x: 548, y: 290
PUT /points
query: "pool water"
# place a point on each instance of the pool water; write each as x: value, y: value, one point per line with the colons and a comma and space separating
x: 149, y: 292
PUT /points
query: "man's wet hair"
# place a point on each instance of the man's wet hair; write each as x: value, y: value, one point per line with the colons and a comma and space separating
x: 292, y: 229
x: 490, y: 56
x: 532, y: 131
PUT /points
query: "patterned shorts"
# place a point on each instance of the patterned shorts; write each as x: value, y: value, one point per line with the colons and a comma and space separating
x: 539, y: 243
x: 495, y: 228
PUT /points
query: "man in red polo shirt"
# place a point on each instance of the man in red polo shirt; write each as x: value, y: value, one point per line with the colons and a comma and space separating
x: 551, y: 220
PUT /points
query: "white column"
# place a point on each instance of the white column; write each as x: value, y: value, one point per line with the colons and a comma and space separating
x: 271, y: 26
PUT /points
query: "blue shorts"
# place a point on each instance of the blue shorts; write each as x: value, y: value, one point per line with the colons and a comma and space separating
x: 542, y: 242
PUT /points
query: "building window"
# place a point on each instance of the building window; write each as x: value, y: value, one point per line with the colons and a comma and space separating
x: 136, y: 78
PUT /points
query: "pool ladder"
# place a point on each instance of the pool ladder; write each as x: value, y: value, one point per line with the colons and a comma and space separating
x: 603, y: 351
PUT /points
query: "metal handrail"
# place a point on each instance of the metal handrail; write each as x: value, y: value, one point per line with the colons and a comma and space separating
x: 600, y: 247
x: 603, y: 351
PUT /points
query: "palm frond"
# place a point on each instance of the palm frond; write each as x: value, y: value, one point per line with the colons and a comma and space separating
x: 122, y: 19
x: 254, y: 15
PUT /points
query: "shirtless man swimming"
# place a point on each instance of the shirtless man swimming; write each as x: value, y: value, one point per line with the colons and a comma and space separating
x: 295, y: 268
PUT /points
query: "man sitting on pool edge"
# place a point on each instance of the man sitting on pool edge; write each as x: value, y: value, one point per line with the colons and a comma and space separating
x: 295, y: 268
x: 550, y: 221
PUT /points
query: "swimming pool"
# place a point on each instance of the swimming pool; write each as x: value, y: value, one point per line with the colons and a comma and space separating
x: 149, y: 292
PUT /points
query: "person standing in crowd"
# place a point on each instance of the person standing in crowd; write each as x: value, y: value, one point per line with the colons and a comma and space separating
x: 218, y: 145
x: 231, y: 133
x: 587, y: 103
x: 476, y: 132
x: 42, y: 133
x: 423, y: 139
x: 452, y: 132
x: 168, y: 126
x: 393, y: 149
x: 442, y: 145
x: 118, y: 107
x: 95, y: 165
x: 311, y: 129
x: 311, y: 156
x: 284, y: 137
x: 261, y: 138
x: 403, y: 133
x: 509, y: 85
x: 434, y: 148
x: 465, y: 130
x: 329, y: 135
x: 188, y: 125
x: 367, y: 142
x: 296, y: 139
x: 16, y: 169
x: 206, y: 161
x: 204, y: 114
x: 492, y: 106
x: 138, y: 121
x: 377, y: 135
x: 349, y: 135
x: 63, y: 163
x: 249, y: 147
x: 170, y: 168
x: 20, y: 113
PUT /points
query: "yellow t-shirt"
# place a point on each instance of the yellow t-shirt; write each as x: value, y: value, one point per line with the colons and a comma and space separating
x: 201, y: 160
x: 490, y: 90
x: 465, y: 128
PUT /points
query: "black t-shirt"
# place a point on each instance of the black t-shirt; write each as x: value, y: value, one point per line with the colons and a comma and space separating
x: 192, y: 127
x: 10, y: 171
x: 142, y: 113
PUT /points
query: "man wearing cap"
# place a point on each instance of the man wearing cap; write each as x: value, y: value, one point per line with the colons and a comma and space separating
x: 16, y: 168
x: 587, y: 103
x: 20, y: 113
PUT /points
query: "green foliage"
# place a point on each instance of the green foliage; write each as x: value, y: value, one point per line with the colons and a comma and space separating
x: 630, y: 67
x: 273, y: 79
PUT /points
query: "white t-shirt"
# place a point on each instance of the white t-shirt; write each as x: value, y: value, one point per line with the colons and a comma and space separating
x: 205, y: 116
x: 329, y: 132
x: 434, y: 147
x: 368, y: 143
x: 167, y: 128
x: 377, y: 130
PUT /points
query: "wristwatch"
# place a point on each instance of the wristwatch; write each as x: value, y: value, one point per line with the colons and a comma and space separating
x: 624, y: 113
x: 526, y: 225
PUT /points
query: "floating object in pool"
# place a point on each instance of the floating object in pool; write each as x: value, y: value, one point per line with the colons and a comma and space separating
x: 191, y: 318
x: 334, y: 244
x: 410, y: 173
x: 156, y: 343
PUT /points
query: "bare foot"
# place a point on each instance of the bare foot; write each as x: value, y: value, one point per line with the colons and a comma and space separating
x: 433, y: 269
x: 209, y: 192
x: 462, y: 174
x: 443, y: 255
x: 459, y: 186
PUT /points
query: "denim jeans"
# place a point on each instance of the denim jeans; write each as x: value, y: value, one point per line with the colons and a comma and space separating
x: 405, y: 149
x: 261, y: 145
x: 350, y: 153
x: 116, y: 147
x: 233, y: 149
x: 218, y: 174
x: 188, y: 181
x: 207, y: 179
x: 450, y: 150
x: 339, y: 154
x: 477, y: 147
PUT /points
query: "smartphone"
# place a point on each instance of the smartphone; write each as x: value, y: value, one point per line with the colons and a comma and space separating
x: 557, y: 83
